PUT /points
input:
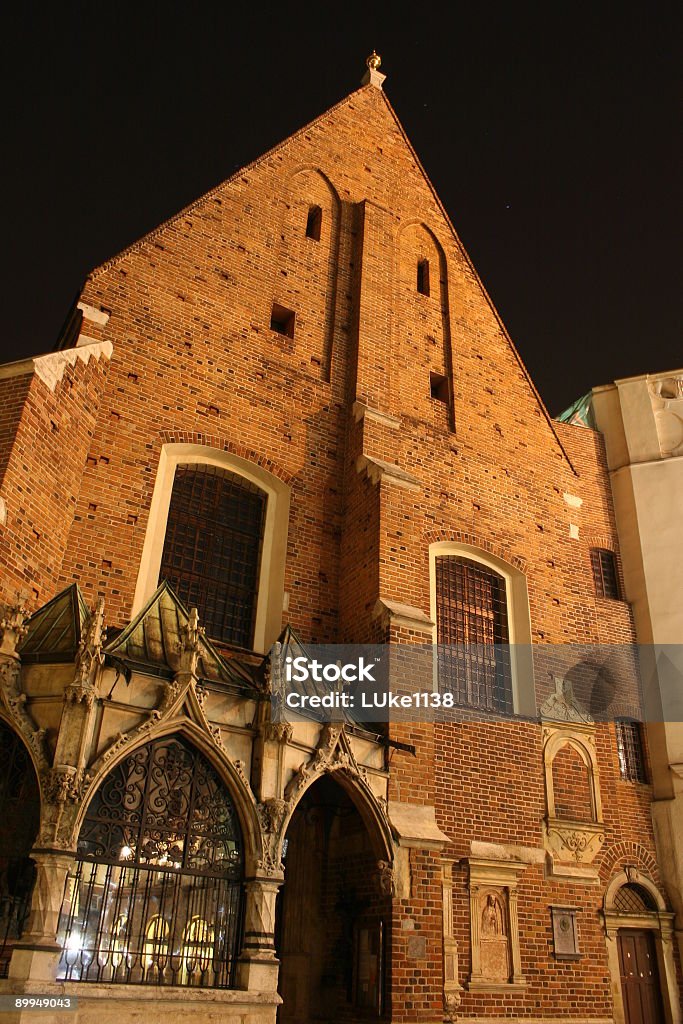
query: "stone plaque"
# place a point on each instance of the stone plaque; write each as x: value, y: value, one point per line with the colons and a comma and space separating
x: 417, y: 947
x: 565, y: 933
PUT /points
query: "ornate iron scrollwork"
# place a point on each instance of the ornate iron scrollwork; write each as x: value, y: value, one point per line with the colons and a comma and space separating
x: 156, y: 896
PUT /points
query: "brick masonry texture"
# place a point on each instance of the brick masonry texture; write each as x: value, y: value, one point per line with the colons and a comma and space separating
x: 194, y: 359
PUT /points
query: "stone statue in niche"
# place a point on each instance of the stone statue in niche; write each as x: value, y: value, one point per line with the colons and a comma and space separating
x: 491, y: 919
x: 495, y: 954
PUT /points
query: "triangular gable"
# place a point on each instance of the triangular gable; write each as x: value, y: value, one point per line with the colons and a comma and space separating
x: 55, y: 630
x: 366, y: 94
x: 154, y: 639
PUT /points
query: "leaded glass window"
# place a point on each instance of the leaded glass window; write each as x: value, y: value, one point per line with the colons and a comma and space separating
x: 472, y: 633
x: 155, y: 897
x: 212, y: 549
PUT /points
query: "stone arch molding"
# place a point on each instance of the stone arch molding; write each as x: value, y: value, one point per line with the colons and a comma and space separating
x: 333, y: 755
x: 209, y: 745
x: 632, y: 875
x: 12, y: 697
x: 519, y: 617
x: 272, y: 574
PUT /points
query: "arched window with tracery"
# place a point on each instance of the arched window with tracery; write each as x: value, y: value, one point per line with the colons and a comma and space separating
x: 212, y: 550
x: 159, y: 855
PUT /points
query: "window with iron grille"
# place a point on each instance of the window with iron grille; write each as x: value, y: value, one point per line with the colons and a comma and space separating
x: 472, y: 633
x: 155, y: 896
x: 630, y: 750
x: 633, y: 899
x: 212, y: 550
x: 605, y: 573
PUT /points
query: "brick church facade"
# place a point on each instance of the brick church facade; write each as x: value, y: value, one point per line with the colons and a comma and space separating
x: 294, y: 408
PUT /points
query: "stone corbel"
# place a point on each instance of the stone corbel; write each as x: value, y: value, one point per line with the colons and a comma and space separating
x: 12, y: 627
x: 271, y: 814
x: 379, y: 471
x: 573, y: 841
x: 406, y: 615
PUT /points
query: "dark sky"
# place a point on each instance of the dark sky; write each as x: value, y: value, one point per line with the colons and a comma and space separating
x: 549, y: 135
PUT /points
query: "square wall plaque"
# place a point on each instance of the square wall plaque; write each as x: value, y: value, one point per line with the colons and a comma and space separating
x: 565, y: 933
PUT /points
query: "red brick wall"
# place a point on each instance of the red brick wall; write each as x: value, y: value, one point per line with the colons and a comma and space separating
x: 571, y: 786
x: 42, y: 473
x: 195, y: 359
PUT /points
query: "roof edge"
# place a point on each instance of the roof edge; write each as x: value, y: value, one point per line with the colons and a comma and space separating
x: 196, y: 203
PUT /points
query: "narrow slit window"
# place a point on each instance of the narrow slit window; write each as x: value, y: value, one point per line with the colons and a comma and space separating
x: 314, y: 223
x: 605, y: 576
x: 282, y: 320
x: 630, y: 750
x: 423, y: 277
x: 438, y: 387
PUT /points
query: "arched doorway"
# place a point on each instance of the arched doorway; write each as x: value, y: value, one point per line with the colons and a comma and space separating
x: 20, y: 817
x: 639, y: 933
x: 156, y: 894
x: 332, y: 916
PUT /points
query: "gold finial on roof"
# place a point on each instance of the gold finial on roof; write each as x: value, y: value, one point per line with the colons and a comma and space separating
x: 373, y: 76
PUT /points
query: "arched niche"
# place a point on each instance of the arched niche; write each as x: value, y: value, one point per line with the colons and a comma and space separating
x: 306, y: 273
x: 582, y: 752
x: 422, y: 337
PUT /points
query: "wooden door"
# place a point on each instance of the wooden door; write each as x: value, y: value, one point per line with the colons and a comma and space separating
x: 639, y: 977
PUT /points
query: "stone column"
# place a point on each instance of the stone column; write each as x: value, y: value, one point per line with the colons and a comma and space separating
x: 36, y: 955
x: 517, y: 975
x: 451, y: 985
x: 475, y: 928
x: 669, y: 982
x: 257, y: 969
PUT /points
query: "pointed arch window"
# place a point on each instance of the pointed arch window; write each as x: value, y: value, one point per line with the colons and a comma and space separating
x: 212, y: 549
x: 159, y: 855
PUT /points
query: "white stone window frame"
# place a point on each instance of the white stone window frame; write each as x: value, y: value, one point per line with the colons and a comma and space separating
x: 518, y: 616
x: 661, y: 923
x: 572, y: 846
x: 270, y: 600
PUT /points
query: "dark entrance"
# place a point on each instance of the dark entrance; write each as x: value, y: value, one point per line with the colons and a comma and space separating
x: 639, y: 977
x: 19, y: 820
x: 331, y: 916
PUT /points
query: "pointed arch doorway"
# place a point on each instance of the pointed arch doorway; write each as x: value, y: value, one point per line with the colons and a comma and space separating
x: 332, y: 915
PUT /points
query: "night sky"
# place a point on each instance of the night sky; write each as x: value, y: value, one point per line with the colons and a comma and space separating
x: 550, y: 138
